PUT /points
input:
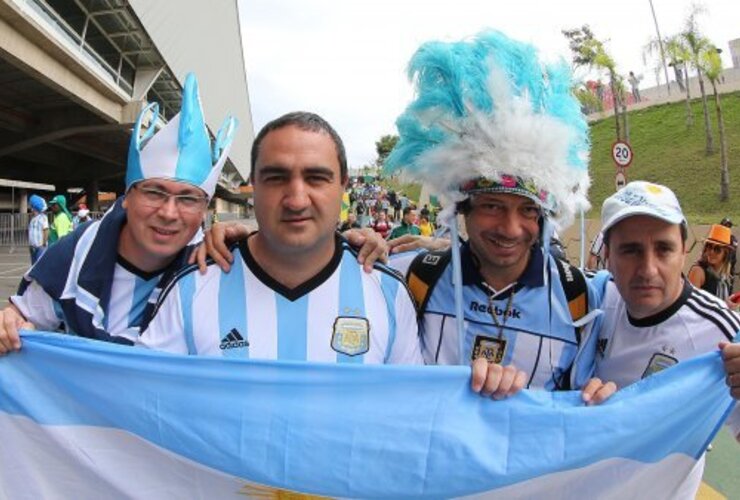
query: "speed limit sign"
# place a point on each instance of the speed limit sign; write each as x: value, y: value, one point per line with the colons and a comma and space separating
x: 622, y: 154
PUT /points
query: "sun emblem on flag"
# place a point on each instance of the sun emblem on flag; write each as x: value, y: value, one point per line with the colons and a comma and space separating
x: 257, y: 491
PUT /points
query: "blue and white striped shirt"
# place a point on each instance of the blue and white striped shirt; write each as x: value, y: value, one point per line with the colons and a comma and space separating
x: 36, y: 227
x: 341, y: 315
x: 82, y: 283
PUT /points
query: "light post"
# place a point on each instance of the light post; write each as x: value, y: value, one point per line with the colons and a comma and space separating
x: 662, y: 51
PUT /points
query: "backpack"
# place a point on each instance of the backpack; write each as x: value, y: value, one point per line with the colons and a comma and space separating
x: 426, y: 269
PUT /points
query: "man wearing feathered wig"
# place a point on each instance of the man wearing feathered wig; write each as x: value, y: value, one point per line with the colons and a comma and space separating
x: 499, y: 136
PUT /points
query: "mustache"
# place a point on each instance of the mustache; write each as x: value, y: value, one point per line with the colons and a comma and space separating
x: 645, y: 283
x: 295, y: 214
x: 508, y: 240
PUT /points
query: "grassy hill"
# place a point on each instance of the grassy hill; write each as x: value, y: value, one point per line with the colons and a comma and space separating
x: 667, y: 152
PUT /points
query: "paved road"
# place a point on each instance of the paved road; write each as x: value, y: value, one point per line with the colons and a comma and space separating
x: 12, y: 267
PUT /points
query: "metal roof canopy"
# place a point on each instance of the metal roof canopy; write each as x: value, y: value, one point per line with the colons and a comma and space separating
x: 45, y: 126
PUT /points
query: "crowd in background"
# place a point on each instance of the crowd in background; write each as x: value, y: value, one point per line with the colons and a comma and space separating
x: 51, y: 221
x: 389, y: 213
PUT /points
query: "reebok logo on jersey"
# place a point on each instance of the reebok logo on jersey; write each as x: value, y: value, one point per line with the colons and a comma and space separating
x: 233, y: 340
x: 485, y: 308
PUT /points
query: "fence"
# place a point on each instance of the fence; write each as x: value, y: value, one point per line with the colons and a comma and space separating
x: 14, y: 228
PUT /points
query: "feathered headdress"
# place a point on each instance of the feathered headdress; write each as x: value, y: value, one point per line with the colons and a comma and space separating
x: 490, y: 117
x: 182, y: 150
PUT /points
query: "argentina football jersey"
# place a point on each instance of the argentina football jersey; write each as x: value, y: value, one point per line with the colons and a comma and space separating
x: 132, y: 290
x: 341, y: 315
x: 517, y: 325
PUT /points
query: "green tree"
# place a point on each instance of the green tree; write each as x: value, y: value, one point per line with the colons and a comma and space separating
x: 589, y: 51
x: 383, y: 147
x: 697, y: 45
x: 679, y: 54
x: 712, y: 65
x: 588, y: 100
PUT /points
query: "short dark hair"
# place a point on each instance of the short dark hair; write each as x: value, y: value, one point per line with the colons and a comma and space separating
x: 304, y: 120
x: 407, y: 210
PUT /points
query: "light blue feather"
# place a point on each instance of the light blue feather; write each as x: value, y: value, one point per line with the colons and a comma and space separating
x: 450, y: 77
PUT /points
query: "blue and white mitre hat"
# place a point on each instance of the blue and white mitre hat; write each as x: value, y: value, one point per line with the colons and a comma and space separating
x: 182, y: 150
x: 489, y: 116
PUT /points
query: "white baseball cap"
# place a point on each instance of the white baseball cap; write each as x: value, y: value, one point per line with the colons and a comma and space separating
x: 641, y: 198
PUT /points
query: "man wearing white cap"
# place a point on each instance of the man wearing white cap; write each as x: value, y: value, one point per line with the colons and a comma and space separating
x: 101, y: 281
x: 653, y: 317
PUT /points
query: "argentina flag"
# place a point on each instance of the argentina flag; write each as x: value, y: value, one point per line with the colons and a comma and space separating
x: 85, y: 419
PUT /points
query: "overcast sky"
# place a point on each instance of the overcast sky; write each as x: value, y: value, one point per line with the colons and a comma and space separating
x: 346, y: 59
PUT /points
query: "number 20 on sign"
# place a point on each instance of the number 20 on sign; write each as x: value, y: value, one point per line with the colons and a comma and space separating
x: 622, y: 154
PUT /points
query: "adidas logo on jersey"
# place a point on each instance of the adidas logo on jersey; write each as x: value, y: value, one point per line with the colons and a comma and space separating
x: 233, y: 340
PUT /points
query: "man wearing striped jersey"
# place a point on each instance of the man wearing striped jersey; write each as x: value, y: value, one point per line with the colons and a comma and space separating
x: 102, y: 281
x: 654, y: 317
x: 295, y: 290
x: 513, y: 167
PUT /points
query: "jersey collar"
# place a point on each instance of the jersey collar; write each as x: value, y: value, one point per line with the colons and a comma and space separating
x: 666, y: 313
x: 304, y: 288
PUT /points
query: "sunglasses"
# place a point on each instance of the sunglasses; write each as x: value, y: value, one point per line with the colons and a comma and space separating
x: 713, y: 248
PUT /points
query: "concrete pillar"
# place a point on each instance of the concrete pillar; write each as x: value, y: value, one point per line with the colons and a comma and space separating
x: 23, y: 200
x: 91, y: 192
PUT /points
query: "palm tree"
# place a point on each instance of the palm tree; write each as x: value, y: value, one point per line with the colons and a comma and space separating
x: 696, y: 44
x: 588, y: 51
x: 712, y: 64
x: 679, y: 54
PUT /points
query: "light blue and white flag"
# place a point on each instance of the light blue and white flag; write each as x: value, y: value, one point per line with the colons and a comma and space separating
x: 84, y: 419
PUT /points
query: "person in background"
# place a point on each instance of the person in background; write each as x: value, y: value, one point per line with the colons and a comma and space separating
x: 38, y: 228
x: 634, y: 82
x: 61, y: 223
x: 381, y: 224
x: 407, y: 225
x: 733, y: 251
x: 83, y: 215
x: 425, y: 227
x: 712, y: 271
x: 350, y: 223
x: 596, y: 260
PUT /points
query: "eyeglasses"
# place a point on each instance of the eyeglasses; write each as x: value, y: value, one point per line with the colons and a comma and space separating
x: 713, y: 248
x: 155, y: 198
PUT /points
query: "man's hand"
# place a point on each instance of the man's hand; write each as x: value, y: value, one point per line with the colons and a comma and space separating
x: 216, y: 243
x: 372, y: 246
x: 596, y: 391
x: 411, y: 242
x: 11, y: 320
x: 496, y: 381
x: 731, y: 357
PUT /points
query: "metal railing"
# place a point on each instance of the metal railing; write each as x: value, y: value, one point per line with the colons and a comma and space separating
x: 14, y: 228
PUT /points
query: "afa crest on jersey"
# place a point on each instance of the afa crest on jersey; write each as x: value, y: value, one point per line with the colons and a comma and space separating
x: 659, y: 362
x: 492, y: 349
x: 351, y: 335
